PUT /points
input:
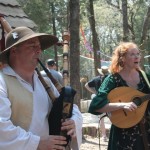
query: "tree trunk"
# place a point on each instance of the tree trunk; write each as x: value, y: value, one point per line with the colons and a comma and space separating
x: 145, y: 27
x: 74, y: 48
x: 144, y: 35
x: 125, y: 21
x: 54, y: 31
x: 95, y: 42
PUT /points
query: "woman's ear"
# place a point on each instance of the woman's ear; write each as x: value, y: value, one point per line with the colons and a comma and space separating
x: 121, y: 61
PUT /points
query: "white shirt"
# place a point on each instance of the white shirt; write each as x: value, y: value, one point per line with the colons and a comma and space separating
x: 56, y: 74
x: 16, y: 138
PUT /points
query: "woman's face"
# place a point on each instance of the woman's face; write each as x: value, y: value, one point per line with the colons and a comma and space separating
x: 132, y: 58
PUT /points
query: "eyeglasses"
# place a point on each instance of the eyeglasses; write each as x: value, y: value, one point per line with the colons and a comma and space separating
x: 134, y: 55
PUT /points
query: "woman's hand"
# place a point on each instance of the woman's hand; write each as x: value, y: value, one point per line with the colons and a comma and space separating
x: 131, y: 106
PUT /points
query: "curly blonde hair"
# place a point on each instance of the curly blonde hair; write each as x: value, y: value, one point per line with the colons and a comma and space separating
x: 119, y: 53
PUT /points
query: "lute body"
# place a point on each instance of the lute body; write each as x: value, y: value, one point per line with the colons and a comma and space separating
x: 123, y: 118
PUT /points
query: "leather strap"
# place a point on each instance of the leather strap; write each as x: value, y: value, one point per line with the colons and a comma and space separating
x: 142, y: 127
x: 145, y: 77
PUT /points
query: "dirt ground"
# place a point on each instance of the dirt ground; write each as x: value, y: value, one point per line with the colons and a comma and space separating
x: 90, y: 143
x: 90, y: 140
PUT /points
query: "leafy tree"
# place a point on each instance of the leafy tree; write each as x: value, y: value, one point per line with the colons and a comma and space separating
x: 113, y: 23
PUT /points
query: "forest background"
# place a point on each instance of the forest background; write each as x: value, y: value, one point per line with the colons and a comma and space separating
x: 96, y: 27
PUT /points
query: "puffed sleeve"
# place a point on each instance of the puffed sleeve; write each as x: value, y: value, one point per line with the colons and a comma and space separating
x: 77, y: 117
x: 100, y: 100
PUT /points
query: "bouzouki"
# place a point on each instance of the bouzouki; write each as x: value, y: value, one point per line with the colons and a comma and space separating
x: 124, y: 118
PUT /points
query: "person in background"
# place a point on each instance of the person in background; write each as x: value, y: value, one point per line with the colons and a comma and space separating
x: 125, y: 72
x: 52, y: 67
x: 93, y: 86
x: 24, y: 102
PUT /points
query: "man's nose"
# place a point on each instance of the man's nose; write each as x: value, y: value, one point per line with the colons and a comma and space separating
x: 38, y: 49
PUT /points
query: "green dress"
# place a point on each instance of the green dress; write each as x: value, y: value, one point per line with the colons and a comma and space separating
x: 122, y: 139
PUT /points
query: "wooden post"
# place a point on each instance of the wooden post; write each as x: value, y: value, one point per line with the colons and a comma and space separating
x: 66, y: 39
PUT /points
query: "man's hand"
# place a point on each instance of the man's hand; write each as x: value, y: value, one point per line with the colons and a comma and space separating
x: 69, y: 125
x: 52, y: 142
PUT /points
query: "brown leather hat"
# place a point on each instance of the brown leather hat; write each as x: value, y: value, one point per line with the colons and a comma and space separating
x: 21, y: 34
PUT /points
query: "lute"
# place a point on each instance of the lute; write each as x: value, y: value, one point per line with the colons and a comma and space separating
x: 124, y: 118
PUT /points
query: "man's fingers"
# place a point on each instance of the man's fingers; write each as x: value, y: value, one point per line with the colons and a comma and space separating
x: 72, y: 133
x: 68, y: 127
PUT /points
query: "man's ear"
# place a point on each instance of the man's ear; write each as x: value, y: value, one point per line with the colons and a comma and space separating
x: 13, y: 49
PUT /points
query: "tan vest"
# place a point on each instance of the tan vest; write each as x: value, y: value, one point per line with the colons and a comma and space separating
x: 21, y: 102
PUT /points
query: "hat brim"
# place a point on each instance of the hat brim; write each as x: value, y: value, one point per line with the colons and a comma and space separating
x: 46, y: 41
x: 100, y: 71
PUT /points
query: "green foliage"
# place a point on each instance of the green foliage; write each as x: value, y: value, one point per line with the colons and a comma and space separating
x: 34, y: 9
x: 40, y: 11
x: 108, y: 17
x: 109, y: 25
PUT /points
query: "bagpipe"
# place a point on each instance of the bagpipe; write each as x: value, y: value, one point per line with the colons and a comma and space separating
x: 63, y: 105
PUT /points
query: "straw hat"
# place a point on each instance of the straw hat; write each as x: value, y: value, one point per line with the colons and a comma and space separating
x: 103, y: 71
x: 21, y: 34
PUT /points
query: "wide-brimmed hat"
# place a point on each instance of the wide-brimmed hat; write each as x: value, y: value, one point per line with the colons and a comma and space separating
x: 21, y: 34
x: 104, y: 70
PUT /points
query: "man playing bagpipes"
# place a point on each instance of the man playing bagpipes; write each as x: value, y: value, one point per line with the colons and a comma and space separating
x: 24, y: 102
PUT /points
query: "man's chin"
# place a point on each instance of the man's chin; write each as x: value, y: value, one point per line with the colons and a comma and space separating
x: 33, y: 65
